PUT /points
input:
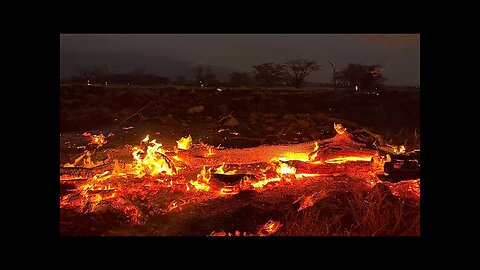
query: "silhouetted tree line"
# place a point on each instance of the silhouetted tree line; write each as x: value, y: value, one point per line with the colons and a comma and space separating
x: 292, y: 73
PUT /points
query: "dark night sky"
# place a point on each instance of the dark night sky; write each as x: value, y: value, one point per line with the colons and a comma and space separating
x: 171, y: 55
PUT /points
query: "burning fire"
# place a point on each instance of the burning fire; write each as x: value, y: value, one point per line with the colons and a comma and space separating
x: 220, y: 170
x: 314, y: 154
x: 399, y: 149
x: 185, y: 143
x: 202, y: 180
x: 155, y: 168
x: 261, y: 183
x: 285, y: 169
x: 86, y: 157
x: 339, y: 128
x: 98, y: 139
x: 153, y: 161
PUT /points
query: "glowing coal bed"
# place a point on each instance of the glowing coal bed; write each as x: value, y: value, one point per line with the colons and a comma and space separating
x: 197, y: 189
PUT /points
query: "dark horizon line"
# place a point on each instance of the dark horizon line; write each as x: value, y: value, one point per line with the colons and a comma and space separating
x: 307, y: 82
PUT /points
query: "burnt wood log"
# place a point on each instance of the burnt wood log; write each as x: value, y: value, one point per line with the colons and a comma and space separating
x: 341, y: 146
x: 402, y: 167
x: 81, y: 173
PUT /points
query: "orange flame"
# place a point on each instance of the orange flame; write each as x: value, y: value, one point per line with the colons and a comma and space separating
x: 86, y: 157
x: 202, y: 180
x: 339, y: 128
x: 261, y: 183
x: 185, y: 143
x: 399, y: 149
x: 98, y: 139
x: 314, y: 154
x: 154, y: 161
x: 220, y: 170
x: 228, y: 191
x: 285, y: 169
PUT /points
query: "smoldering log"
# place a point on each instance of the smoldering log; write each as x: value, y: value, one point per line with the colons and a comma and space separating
x: 333, y: 169
x: 342, y: 145
x: 81, y: 173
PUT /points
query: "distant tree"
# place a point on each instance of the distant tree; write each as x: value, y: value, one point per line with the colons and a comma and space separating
x: 334, y: 76
x: 180, y: 80
x: 199, y: 75
x: 205, y: 76
x: 83, y: 72
x: 298, y: 69
x: 269, y: 74
x: 95, y: 74
x: 361, y: 77
x: 240, y: 79
x: 211, y: 78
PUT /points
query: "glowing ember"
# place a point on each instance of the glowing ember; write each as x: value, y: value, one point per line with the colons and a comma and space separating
x: 294, y: 156
x: 205, y: 175
x: 406, y: 188
x: 339, y: 128
x: 175, y: 205
x: 202, y: 180
x: 285, y: 169
x: 261, y: 183
x: 98, y: 139
x: 379, y: 163
x: 155, y: 170
x: 222, y: 233
x: 301, y: 175
x: 231, y: 190
x: 307, y: 201
x: 269, y: 228
x: 312, y: 156
x: 185, y: 143
x: 117, y: 171
x: 349, y: 158
x: 86, y: 157
x: 199, y: 186
x: 399, y: 149
x: 210, y: 151
x: 266, y: 230
x: 220, y: 170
